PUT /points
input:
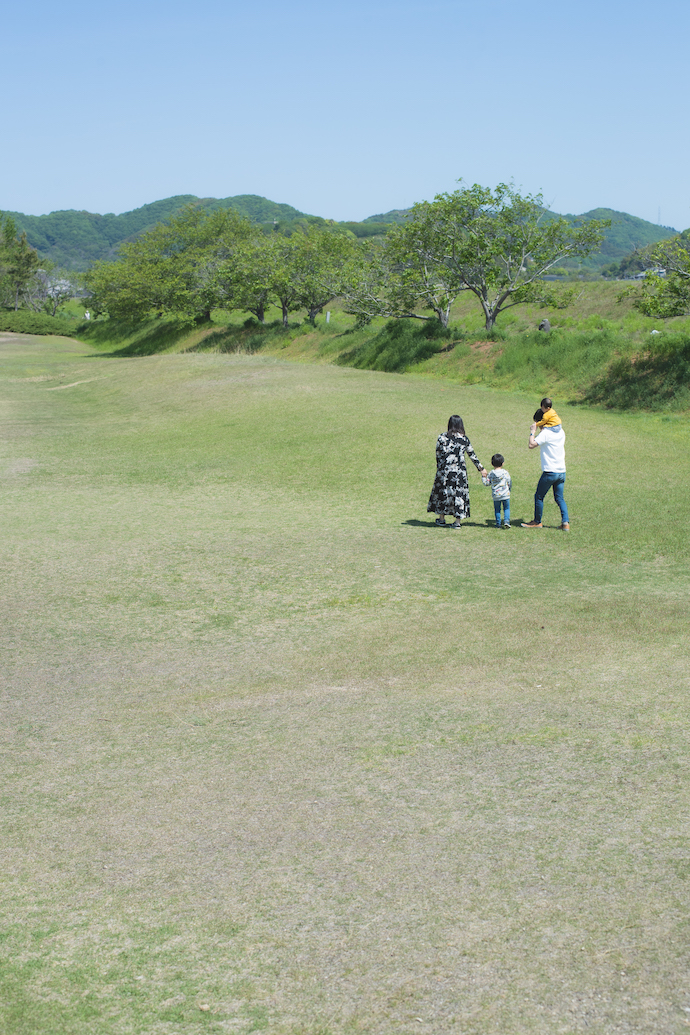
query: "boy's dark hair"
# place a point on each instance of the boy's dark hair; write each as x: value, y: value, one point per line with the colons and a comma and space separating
x: 497, y: 460
x: 538, y: 414
x: 546, y: 404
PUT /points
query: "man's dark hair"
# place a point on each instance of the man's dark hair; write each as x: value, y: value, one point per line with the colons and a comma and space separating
x: 455, y: 425
x: 497, y: 460
x: 538, y: 414
x: 546, y: 404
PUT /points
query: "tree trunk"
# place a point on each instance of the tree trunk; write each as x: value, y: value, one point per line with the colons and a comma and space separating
x: 285, y: 313
x: 16, y: 299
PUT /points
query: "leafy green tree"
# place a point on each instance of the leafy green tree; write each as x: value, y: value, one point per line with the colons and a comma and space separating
x: 50, y: 288
x: 321, y: 264
x: 666, y: 294
x: 245, y: 280
x: 495, y: 243
x: 19, y: 262
x: 172, y: 268
x: 286, y: 288
x: 305, y: 270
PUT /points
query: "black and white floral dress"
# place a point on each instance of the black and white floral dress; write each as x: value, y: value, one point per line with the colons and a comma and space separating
x: 451, y: 494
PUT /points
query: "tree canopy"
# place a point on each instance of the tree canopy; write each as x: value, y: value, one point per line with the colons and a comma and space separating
x: 494, y: 243
x: 198, y: 261
x: 25, y: 279
x: 666, y: 288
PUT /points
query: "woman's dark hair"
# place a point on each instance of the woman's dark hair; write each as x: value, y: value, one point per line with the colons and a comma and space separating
x: 455, y: 425
x: 538, y: 415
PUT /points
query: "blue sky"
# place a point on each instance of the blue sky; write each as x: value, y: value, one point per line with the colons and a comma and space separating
x: 347, y: 109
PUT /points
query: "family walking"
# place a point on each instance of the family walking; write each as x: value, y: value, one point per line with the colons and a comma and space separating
x: 450, y: 495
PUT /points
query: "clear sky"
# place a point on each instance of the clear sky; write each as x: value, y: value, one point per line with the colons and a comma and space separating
x: 346, y: 109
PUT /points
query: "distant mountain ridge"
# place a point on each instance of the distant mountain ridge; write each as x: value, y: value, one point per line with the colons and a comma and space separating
x: 75, y: 239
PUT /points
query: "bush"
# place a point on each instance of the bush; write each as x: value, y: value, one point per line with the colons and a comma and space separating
x: 24, y: 322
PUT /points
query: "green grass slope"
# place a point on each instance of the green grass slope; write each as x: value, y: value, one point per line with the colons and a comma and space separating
x: 279, y: 755
x: 600, y: 350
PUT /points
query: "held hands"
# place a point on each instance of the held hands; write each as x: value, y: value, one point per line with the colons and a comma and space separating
x: 533, y: 428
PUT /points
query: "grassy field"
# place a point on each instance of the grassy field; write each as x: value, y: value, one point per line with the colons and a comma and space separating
x: 280, y: 755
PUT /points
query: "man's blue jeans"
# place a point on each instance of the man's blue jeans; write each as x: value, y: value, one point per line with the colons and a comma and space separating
x: 555, y: 481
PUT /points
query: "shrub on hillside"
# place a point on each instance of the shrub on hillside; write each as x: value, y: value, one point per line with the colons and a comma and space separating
x: 22, y: 321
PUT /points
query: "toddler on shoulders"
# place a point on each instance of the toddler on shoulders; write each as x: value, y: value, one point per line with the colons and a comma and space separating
x: 546, y: 416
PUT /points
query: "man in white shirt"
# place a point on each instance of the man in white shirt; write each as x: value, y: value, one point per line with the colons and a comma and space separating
x: 551, y: 442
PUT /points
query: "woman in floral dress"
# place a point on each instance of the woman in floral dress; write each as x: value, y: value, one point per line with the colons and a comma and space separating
x: 451, y: 494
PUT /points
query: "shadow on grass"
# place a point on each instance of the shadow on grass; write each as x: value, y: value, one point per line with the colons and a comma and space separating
x: 487, y: 523
x: 154, y: 341
x: 250, y: 338
x: 400, y: 345
x: 138, y: 339
x: 657, y: 380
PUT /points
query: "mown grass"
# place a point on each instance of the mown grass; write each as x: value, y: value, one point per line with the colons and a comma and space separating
x: 276, y: 745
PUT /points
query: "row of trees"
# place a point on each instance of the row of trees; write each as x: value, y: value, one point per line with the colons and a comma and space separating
x: 26, y: 280
x: 196, y: 262
x: 494, y: 243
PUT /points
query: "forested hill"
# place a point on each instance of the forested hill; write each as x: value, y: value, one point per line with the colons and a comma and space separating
x: 75, y: 239
x: 625, y: 233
